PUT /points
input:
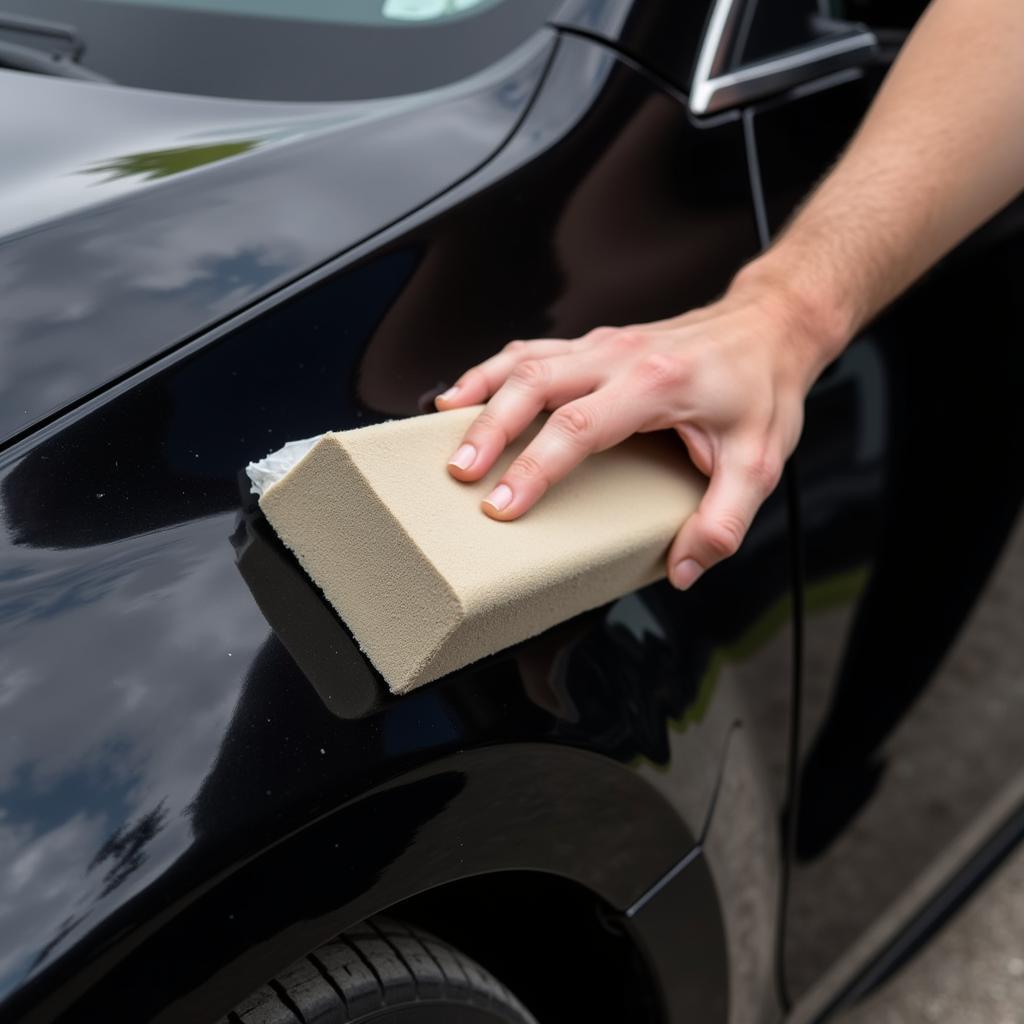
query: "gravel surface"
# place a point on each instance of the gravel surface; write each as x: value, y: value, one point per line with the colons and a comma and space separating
x: 971, y: 973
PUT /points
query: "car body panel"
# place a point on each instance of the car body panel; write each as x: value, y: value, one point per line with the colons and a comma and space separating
x: 136, y: 219
x: 197, y: 756
x: 528, y: 807
x: 166, y: 741
x: 682, y: 930
x: 910, y: 504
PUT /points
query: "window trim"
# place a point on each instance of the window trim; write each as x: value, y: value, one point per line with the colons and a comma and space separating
x: 715, y: 89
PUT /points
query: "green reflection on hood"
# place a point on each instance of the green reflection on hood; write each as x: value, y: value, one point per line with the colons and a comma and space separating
x: 162, y: 163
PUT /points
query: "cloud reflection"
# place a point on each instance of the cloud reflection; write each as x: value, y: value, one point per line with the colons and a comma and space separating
x: 167, y: 679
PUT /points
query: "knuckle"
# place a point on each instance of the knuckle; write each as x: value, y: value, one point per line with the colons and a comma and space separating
x: 765, y: 472
x: 599, y: 333
x: 629, y: 340
x: 724, y: 536
x: 488, y: 423
x: 658, y: 370
x: 528, y: 466
x: 533, y: 373
x: 574, y: 421
x: 516, y: 347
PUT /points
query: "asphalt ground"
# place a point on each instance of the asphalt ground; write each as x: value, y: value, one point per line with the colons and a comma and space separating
x: 972, y: 972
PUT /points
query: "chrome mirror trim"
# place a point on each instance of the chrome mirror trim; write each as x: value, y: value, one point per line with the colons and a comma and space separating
x: 714, y: 89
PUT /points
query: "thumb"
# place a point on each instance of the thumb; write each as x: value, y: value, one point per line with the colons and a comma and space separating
x: 716, y: 530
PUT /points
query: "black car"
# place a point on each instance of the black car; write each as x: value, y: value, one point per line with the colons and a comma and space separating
x: 227, y: 224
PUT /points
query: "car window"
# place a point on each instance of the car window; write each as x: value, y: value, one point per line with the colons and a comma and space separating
x: 353, y: 12
x: 289, y: 49
x: 883, y: 14
x: 766, y: 28
x: 770, y: 27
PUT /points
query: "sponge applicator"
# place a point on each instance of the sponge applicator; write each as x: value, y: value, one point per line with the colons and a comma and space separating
x: 426, y: 582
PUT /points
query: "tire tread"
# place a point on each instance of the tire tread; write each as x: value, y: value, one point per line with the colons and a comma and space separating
x: 376, y: 964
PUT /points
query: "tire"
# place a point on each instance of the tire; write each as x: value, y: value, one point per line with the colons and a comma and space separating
x: 387, y: 973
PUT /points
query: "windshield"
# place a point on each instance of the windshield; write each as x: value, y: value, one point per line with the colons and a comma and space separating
x: 290, y: 49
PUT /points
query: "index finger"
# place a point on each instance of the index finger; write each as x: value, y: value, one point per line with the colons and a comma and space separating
x: 479, y: 382
x: 573, y: 431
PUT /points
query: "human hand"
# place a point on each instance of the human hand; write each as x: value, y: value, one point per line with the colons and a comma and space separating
x: 729, y: 378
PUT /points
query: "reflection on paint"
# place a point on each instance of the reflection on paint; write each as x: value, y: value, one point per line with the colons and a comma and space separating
x: 425, y: 10
x: 162, y: 163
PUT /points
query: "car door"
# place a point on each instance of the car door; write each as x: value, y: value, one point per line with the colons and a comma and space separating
x: 189, y: 716
x: 913, y: 547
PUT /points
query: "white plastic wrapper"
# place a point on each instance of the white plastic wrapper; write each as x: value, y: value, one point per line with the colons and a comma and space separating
x: 272, y: 467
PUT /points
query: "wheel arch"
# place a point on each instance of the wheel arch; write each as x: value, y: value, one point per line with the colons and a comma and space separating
x: 547, y: 938
x: 589, y: 829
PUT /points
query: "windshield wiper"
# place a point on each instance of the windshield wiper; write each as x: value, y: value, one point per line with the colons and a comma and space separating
x: 62, y: 63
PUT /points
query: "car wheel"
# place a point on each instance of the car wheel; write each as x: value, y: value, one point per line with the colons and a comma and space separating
x: 385, y: 972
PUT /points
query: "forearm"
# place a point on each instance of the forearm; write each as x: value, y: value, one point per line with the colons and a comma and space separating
x: 940, y: 151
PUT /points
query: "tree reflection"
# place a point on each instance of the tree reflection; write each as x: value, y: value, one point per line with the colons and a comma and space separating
x: 162, y: 163
x: 125, y: 848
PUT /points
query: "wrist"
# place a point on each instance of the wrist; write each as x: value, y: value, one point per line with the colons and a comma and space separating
x: 815, y: 321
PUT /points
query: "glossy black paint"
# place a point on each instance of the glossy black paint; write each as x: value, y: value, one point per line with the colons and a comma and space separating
x: 176, y: 780
x: 554, y: 921
x: 688, y: 961
x: 663, y: 37
x: 548, y: 810
x: 911, y: 507
x: 150, y: 216
x: 201, y: 777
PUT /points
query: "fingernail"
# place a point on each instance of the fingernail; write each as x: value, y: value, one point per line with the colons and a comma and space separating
x: 449, y: 395
x: 464, y: 457
x: 685, y: 573
x: 500, y: 498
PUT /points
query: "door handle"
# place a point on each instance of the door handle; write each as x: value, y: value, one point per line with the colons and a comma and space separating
x: 715, y: 89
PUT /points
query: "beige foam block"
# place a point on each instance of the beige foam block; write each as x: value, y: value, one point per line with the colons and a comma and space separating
x: 427, y: 583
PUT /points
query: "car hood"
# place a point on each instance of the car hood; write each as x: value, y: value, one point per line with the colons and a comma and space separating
x: 131, y: 220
